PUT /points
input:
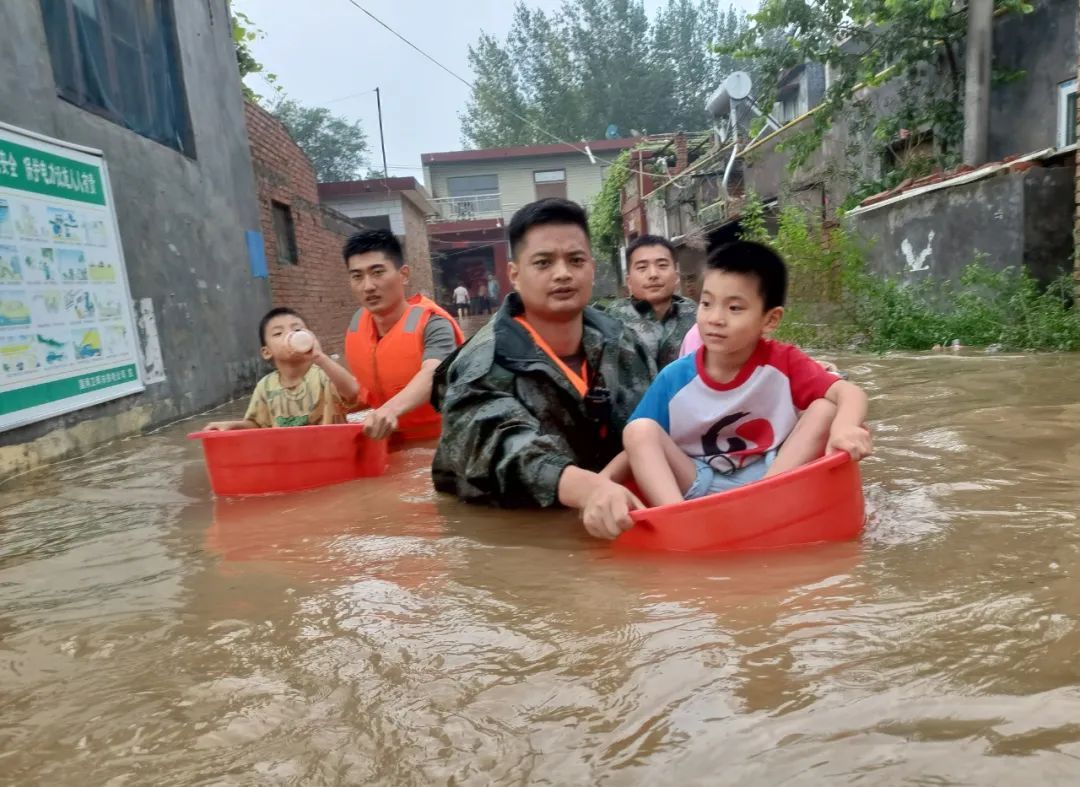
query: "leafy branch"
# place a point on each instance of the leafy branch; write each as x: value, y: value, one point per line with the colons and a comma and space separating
x: 244, y: 34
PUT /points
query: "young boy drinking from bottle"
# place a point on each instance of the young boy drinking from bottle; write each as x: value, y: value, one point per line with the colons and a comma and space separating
x: 306, y: 388
x: 743, y: 407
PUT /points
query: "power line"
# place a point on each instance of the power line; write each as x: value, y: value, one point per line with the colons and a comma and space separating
x: 351, y: 95
x: 471, y: 86
x: 583, y: 151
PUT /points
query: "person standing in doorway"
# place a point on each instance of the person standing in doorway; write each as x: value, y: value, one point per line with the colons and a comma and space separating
x: 461, y: 300
x: 394, y: 343
x: 493, y: 292
x: 478, y: 295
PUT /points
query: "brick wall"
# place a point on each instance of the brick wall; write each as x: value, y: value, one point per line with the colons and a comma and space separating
x: 417, y: 250
x: 316, y: 286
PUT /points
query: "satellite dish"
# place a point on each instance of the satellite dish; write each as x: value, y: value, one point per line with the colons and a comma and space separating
x: 738, y: 85
x: 612, y: 131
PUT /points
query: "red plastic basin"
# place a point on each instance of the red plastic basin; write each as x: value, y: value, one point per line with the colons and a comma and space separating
x: 287, y: 459
x: 821, y: 501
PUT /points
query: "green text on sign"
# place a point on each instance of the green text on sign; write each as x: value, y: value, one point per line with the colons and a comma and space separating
x: 27, y: 169
x: 55, y: 390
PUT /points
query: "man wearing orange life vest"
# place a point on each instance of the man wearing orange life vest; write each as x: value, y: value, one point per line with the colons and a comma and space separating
x: 394, y: 343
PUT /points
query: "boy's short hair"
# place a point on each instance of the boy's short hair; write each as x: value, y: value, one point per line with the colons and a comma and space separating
x: 648, y: 240
x: 553, y: 210
x: 757, y: 260
x: 374, y: 240
x: 277, y: 311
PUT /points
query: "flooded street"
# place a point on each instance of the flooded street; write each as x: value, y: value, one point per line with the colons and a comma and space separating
x: 374, y: 632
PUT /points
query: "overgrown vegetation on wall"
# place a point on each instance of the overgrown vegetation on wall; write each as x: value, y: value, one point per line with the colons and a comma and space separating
x: 605, y: 215
x: 834, y: 302
x: 896, y: 78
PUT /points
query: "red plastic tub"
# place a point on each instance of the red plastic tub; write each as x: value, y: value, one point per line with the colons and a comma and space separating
x: 821, y: 501
x: 265, y: 461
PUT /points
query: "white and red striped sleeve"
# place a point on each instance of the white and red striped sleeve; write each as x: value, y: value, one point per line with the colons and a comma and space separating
x: 808, y: 379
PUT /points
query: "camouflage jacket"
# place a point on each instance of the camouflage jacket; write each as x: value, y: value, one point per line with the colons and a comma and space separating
x: 512, y: 422
x: 663, y: 337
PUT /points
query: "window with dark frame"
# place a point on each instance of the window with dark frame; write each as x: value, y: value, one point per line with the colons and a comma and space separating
x: 120, y: 59
x: 1066, y: 134
x: 550, y: 183
x: 473, y: 185
x: 1070, y: 115
x: 284, y: 234
x: 473, y: 195
x: 380, y: 222
x: 787, y: 104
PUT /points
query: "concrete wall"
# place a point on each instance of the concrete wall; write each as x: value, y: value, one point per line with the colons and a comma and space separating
x: 417, y: 248
x: 407, y: 221
x: 1076, y: 193
x: 583, y: 179
x: 317, y: 285
x: 1024, y: 114
x: 1048, y: 217
x: 813, y: 84
x: 1014, y: 219
x: 836, y: 167
x: 182, y: 223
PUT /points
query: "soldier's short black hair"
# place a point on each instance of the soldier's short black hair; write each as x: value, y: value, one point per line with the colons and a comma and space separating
x: 757, y: 260
x: 277, y: 311
x: 552, y: 210
x: 648, y: 240
x: 374, y: 240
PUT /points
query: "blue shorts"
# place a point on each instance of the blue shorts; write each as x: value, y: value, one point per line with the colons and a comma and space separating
x: 709, y: 481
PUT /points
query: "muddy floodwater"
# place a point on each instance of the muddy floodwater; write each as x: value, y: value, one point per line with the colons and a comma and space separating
x: 375, y: 632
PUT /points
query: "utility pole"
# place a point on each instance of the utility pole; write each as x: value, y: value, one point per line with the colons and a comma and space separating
x: 382, y: 140
x: 980, y: 37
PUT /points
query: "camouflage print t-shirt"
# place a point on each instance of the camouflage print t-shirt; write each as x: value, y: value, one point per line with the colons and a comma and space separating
x: 662, y: 337
x: 313, y: 401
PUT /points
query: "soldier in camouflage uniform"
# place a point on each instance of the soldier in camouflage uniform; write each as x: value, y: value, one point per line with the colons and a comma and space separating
x: 534, y: 405
x: 654, y: 311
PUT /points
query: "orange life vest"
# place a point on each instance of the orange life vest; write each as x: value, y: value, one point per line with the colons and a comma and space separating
x: 384, y: 365
x: 577, y: 379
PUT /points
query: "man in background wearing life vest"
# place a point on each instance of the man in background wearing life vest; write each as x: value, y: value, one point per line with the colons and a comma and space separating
x: 394, y: 343
x: 534, y: 405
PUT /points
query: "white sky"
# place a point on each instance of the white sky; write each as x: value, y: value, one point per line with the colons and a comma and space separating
x: 329, y: 51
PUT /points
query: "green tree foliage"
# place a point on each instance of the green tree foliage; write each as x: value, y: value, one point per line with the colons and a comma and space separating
x: 245, y: 33
x: 495, y: 86
x: 914, y: 47
x: 337, y: 147
x: 595, y: 63
x: 683, y: 31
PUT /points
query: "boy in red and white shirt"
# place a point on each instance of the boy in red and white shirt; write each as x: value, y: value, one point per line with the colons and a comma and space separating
x: 743, y: 407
